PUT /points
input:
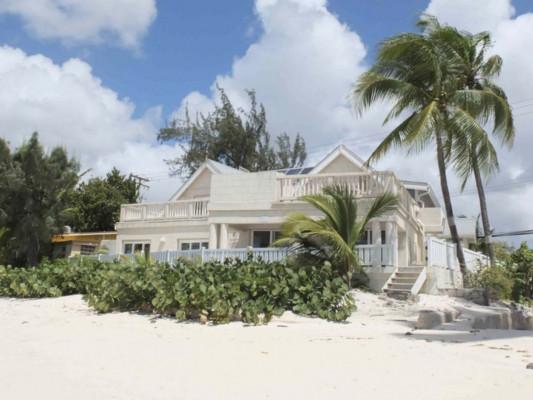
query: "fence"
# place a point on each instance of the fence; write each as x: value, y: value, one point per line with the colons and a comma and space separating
x: 443, y: 254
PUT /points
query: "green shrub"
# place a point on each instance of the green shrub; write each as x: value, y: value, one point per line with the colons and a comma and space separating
x: 495, y: 280
x: 249, y: 291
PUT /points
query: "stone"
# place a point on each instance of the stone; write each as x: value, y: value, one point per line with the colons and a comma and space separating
x: 522, y: 320
x: 476, y: 295
x: 429, y: 319
x: 529, y: 366
x: 493, y: 319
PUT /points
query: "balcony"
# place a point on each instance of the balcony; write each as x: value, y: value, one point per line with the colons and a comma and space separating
x: 365, y: 184
x: 187, y: 209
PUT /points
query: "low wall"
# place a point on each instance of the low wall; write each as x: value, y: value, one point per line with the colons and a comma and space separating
x: 439, y: 279
x: 378, y: 276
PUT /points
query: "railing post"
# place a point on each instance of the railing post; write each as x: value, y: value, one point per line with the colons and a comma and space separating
x: 202, y: 255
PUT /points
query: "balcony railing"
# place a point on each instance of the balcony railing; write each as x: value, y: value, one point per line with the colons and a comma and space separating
x: 364, y: 184
x: 185, y: 209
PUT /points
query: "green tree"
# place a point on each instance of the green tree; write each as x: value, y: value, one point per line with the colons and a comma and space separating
x: 421, y: 78
x: 35, y: 187
x: 95, y: 204
x: 233, y: 137
x: 333, y: 237
x: 522, y: 269
x: 475, y: 155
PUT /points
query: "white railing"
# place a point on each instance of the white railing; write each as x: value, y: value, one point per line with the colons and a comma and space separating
x: 443, y: 254
x: 269, y: 254
x: 185, y: 209
x: 371, y: 254
x: 364, y: 184
x: 474, y: 260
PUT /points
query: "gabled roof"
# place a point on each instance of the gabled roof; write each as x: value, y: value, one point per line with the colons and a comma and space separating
x: 332, y: 155
x: 214, y: 167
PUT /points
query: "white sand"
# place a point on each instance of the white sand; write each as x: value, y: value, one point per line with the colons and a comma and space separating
x: 60, y: 349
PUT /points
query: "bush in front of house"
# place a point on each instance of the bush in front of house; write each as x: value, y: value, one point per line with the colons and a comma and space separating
x: 249, y: 291
x: 496, y: 281
x: 49, y: 279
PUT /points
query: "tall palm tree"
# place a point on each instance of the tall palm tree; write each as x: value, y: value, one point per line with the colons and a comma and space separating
x: 334, y: 236
x: 420, y: 77
x: 476, y: 155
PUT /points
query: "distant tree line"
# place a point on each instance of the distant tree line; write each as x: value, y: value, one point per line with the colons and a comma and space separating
x: 41, y: 192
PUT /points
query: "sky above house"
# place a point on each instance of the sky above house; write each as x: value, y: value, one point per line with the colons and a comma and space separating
x: 101, y: 78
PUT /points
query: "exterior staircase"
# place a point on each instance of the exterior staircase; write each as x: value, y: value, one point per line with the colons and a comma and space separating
x: 405, y: 282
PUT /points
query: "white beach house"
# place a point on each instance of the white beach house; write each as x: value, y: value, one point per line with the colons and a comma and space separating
x: 221, y: 211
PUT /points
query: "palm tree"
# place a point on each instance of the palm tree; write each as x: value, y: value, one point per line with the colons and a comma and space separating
x: 476, y: 155
x: 420, y: 77
x: 334, y: 236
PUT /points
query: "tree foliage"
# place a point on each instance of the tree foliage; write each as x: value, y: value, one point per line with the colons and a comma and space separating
x: 233, y: 137
x: 333, y: 238
x: 34, y: 190
x: 95, y: 204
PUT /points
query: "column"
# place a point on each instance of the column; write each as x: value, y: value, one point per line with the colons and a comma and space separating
x: 377, y: 259
x: 391, y: 236
x: 213, y: 236
x: 223, y: 241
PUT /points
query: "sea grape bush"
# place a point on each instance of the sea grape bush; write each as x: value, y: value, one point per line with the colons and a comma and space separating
x: 249, y: 291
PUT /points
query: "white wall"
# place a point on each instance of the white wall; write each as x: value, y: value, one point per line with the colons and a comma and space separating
x: 201, y: 187
x: 163, y: 238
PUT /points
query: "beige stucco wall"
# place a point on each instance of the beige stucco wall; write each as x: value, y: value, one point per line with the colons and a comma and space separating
x: 161, y: 237
x: 340, y: 165
x: 201, y: 187
x: 244, y: 191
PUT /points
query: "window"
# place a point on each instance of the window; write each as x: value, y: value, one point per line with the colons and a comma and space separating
x: 87, y: 249
x: 193, y: 245
x: 137, y: 247
x: 366, y: 238
x: 264, y: 238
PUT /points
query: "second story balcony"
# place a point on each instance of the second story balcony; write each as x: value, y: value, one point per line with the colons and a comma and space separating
x: 364, y: 184
x: 186, y: 209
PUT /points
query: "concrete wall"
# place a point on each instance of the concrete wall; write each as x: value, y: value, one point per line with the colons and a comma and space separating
x: 244, y: 191
x: 162, y: 238
x: 440, y: 279
x: 340, y: 165
x: 201, y: 187
x: 378, y: 277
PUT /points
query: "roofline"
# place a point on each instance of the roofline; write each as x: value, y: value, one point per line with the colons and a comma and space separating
x: 340, y: 149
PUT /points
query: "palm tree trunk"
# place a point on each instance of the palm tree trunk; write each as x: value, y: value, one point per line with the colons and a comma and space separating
x: 448, y: 203
x: 484, y: 212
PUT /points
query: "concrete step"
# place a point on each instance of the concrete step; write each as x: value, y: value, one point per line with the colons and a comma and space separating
x: 406, y: 275
x: 396, y: 279
x: 400, y: 286
x: 416, y: 270
x: 394, y: 290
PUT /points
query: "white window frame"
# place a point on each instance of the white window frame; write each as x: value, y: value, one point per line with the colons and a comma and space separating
x: 271, y: 239
x: 143, y: 243
x: 201, y: 242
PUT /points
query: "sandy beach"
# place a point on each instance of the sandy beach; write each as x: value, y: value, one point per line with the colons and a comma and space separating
x: 60, y: 349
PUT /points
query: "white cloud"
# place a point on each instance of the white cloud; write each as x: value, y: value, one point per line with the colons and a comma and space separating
x: 472, y: 15
x: 304, y: 62
x: 70, y: 107
x: 85, y: 21
x: 302, y: 67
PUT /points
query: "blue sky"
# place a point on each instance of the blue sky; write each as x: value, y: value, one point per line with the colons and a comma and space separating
x: 191, y: 42
x: 101, y: 77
